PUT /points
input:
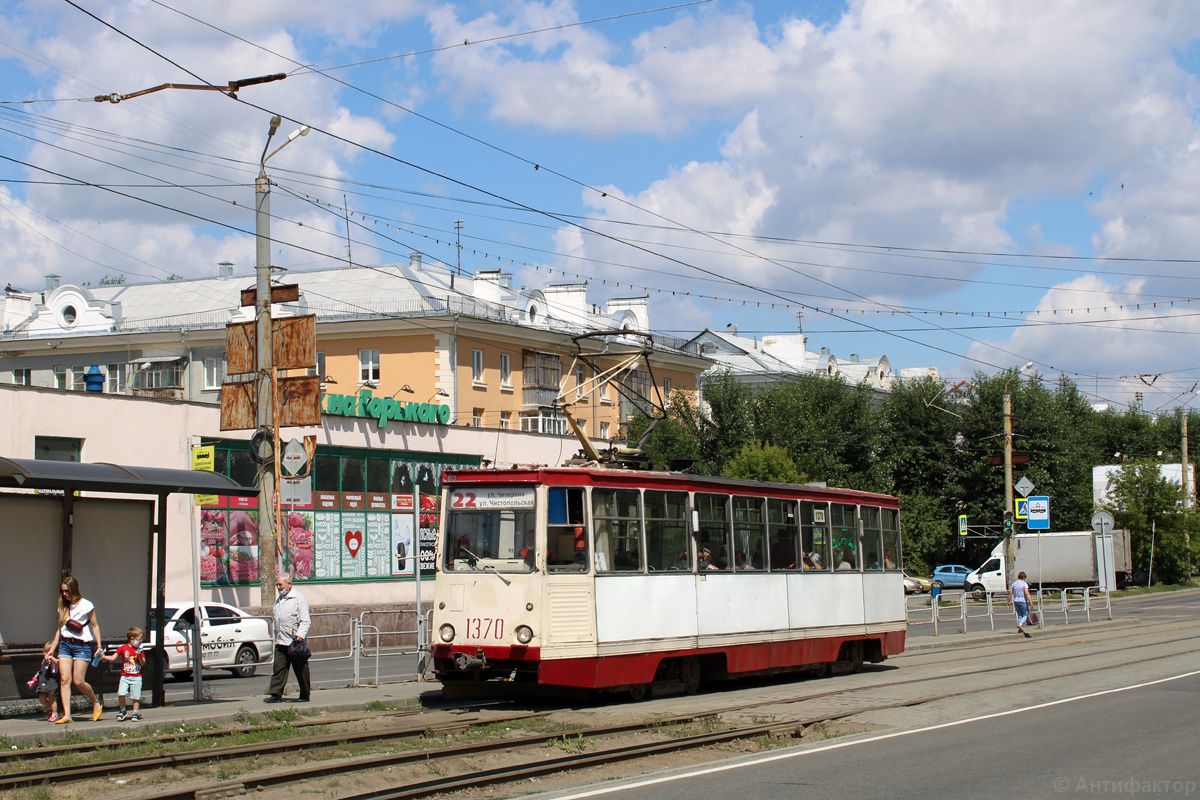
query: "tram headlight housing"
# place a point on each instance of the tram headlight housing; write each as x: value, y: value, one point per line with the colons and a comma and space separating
x: 524, y: 634
x: 446, y: 632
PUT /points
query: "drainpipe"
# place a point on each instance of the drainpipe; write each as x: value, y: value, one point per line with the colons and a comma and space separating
x: 454, y: 370
x: 188, y: 387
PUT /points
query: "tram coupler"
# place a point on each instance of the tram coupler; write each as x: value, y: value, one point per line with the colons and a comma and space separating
x: 468, y: 663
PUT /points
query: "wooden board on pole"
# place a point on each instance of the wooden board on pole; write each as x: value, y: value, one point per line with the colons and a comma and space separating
x: 293, y: 344
x: 299, y: 401
x: 238, y: 407
x: 283, y: 293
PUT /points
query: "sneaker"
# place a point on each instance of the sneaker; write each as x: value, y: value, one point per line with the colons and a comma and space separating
x: 135, y: 717
x: 53, y: 717
x: 120, y: 715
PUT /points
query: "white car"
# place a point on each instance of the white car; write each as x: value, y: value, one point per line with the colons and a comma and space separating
x: 230, y: 639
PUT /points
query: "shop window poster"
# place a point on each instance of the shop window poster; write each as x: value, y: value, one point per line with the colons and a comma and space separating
x: 228, y: 544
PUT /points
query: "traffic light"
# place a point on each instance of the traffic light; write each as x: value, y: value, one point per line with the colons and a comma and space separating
x: 1008, y: 523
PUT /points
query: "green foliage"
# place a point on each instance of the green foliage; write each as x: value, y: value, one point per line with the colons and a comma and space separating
x: 116, y: 280
x: 927, y: 443
x: 763, y: 462
x: 1149, y: 506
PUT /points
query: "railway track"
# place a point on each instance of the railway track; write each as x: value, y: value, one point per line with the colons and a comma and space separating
x: 1140, y: 641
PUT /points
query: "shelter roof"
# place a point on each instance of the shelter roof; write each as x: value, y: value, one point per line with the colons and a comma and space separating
x: 26, y: 473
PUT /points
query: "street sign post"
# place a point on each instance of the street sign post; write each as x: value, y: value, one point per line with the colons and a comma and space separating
x: 1039, y: 514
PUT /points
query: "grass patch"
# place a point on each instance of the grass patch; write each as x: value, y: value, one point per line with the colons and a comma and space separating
x: 700, y: 726
x: 283, y: 715
x: 573, y: 745
x: 38, y: 792
x: 1155, y: 589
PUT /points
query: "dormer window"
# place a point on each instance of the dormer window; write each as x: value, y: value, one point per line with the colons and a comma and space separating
x: 68, y: 315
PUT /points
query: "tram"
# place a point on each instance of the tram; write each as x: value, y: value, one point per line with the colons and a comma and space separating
x: 639, y: 581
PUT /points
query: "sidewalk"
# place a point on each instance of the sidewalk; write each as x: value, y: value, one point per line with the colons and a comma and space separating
x: 27, y: 729
x: 952, y: 639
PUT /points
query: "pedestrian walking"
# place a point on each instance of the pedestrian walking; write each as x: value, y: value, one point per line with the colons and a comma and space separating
x: 1020, y: 599
x: 77, y: 640
x: 292, y: 621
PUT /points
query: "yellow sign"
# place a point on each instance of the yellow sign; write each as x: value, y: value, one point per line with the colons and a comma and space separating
x: 204, y: 459
x: 1021, y: 509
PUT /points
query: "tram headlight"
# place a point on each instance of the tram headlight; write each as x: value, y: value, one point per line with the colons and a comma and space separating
x: 447, y: 633
x: 524, y: 634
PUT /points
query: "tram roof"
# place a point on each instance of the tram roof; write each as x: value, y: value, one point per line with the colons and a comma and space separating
x: 599, y: 476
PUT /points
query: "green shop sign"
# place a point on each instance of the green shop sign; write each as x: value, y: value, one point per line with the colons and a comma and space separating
x: 382, y: 409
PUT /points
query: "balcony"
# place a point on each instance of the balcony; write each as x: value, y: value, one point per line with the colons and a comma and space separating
x: 538, y: 397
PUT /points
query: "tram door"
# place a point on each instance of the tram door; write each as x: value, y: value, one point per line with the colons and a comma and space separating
x: 570, y: 609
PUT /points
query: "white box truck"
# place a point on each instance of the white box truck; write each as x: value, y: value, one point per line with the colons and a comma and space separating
x: 1057, y: 560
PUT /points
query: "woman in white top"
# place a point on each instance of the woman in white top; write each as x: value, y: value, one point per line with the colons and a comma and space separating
x: 77, y: 640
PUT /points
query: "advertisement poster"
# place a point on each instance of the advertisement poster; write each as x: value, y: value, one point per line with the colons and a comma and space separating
x: 300, y: 542
x: 402, y: 552
x: 354, y: 539
x: 327, y: 547
x: 228, y: 544
x: 378, y: 546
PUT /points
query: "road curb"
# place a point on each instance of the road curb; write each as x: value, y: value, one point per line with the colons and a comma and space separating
x: 947, y: 640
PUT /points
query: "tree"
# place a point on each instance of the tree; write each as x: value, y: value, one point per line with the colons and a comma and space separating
x: 763, y: 462
x: 1149, y: 505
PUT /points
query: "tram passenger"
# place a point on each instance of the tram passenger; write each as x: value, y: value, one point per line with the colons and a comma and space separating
x: 811, y: 561
x: 844, y: 561
x: 706, y: 560
x: 579, y: 536
x: 873, y: 561
x: 888, y: 561
x: 739, y: 561
x: 528, y: 553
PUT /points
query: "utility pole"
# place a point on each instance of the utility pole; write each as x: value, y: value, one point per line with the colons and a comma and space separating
x: 458, y: 225
x: 1185, y: 479
x: 1010, y: 554
x: 265, y: 399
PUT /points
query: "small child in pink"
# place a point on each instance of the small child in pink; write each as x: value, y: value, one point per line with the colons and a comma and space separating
x: 45, y: 682
x: 132, y: 660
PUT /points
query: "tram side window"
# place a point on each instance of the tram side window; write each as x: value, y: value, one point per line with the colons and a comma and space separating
x: 872, y: 538
x: 667, y: 531
x: 566, y: 539
x: 784, y: 530
x: 714, y: 533
x: 844, y: 534
x: 814, y: 535
x: 617, y: 517
x: 891, y: 538
x: 748, y: 530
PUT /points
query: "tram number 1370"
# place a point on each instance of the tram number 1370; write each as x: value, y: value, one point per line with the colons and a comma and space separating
x: 485, y: 628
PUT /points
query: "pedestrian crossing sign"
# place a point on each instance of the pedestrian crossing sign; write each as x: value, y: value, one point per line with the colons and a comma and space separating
x: 1022, y: 508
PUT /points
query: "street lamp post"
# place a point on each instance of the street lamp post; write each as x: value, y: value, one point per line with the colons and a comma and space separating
x: 265, y: 405
x: 1009, y: 548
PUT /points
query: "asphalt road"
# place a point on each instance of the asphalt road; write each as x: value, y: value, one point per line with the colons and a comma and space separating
x: 1131, y: 743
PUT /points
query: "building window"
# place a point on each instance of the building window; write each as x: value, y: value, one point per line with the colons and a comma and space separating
x: 319, y: 369
x: 23, y: 377
x: 115, y: 379
x: 163, y: 375
x: 477, y: 417
x: 60, y: 376
x: 505, y: 420
x: 505, y: 371
x: 603, y: 430
x: 70, y: 378
x: 57, y: 448
x: 666, y: 398
x: 542, y: 370
x: 547, y: 420
x: 368, y: 366
x: 477, y: 366
x: 604, y: 392
x: 579, y: 381
x: 214, y: 373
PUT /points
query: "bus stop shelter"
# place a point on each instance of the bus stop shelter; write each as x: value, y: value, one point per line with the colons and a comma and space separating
x: 57, y: 531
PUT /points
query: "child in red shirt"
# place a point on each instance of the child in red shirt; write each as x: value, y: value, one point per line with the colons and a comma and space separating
x: 132, y: 660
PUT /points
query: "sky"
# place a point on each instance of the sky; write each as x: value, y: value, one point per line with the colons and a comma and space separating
x: 969, y: 186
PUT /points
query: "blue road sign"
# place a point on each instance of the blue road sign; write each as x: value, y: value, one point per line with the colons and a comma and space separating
x: 1039, y: 514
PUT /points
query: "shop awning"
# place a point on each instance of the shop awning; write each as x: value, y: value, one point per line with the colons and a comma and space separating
x: 26, y: 473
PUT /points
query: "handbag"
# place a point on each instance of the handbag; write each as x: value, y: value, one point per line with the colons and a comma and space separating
x: 75, y: 626
x: 298, y: 651
x: 1033, y: 618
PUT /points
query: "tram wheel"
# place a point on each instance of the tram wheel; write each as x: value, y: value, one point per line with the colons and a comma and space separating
x: 689, y: 673
x: 638, y: 692
x: 856, y: 657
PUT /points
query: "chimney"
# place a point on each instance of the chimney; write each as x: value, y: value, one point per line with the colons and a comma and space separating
x: 414, y: 260
x: 52, y: 282
x: 225, y: 269
x: 731, y: 328
x: 854, y: 358
x: 115, y: 311
x: 824, y: 351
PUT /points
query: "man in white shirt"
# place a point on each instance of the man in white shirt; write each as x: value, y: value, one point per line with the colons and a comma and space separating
x: 292, y: 621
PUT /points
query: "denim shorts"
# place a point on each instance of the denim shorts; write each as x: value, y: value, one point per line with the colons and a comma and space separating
x: 75, y: 649
x: 130, y: 686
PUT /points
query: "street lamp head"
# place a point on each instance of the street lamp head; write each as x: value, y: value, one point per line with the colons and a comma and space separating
x: 298, y: 132
x: 1027, y: 366
x: 276, y: 121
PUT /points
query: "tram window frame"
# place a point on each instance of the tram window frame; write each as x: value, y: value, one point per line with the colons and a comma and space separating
x: 815, y: 536
x: 715, y: 531
x: 843, y: 536
x: 781, y: 519
x: 668, y: 530
x: 744, y: 526
x: 494, y: 540
x: 871, y: 538
x: 891, y: 538
x: 613, y: 522
x: 566, y: 515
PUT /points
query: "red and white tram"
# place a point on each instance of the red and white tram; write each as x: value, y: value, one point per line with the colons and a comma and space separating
x: 618, y: 579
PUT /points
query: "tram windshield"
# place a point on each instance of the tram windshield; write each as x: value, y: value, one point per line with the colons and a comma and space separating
x: 491, y: 529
